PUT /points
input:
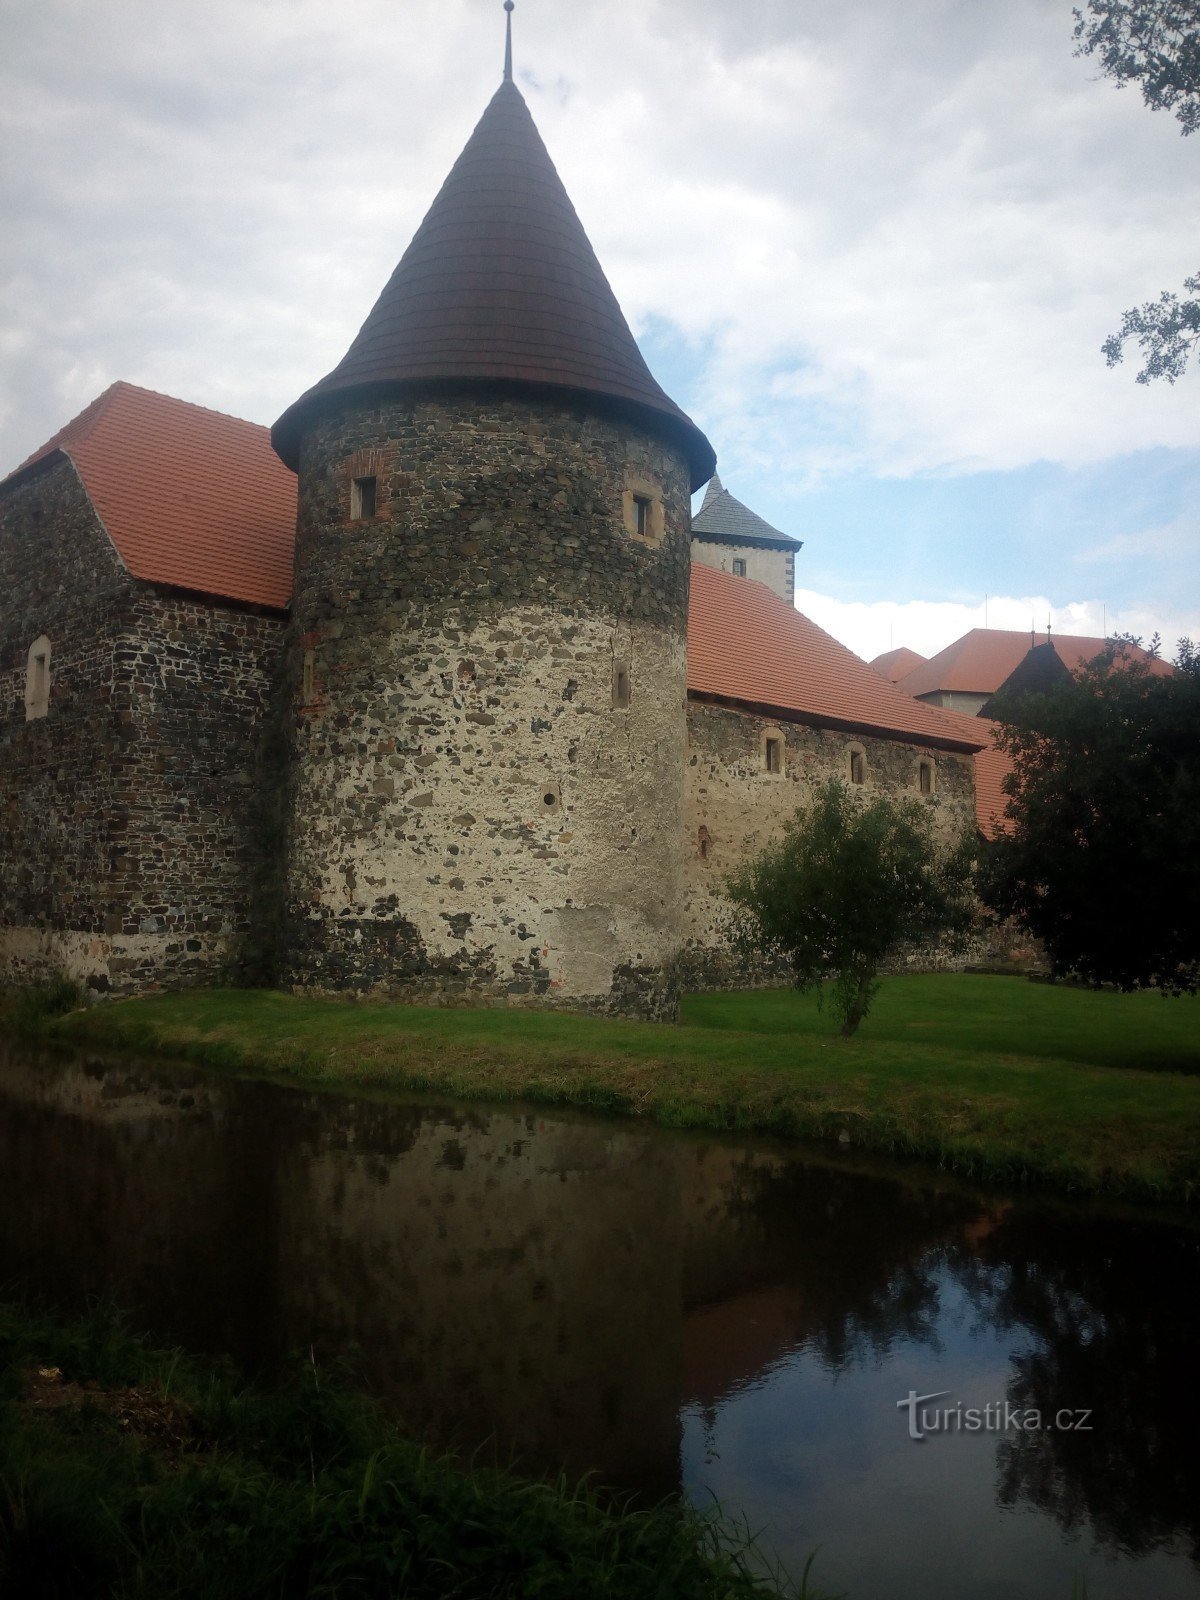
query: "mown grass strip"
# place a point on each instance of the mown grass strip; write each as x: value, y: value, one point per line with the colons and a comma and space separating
x: 1007, y: 1115
x: 968, y: 1011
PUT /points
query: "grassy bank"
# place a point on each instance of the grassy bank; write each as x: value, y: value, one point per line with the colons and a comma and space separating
x: 133, y: 1472
x: 957, y: 1070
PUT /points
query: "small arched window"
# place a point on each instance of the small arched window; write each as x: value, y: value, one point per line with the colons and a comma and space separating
x: 926, y: 775
x: 858, y: 766
x: 37, y: 679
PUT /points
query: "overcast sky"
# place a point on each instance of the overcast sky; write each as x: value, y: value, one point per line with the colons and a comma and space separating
x: 873, y: 248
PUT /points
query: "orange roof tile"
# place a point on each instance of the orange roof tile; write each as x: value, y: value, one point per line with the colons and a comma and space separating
x: 979, y: 662
x: 896, y: 664
x: 992, y: 766
x: 747, y: 644
x: 190, y: 497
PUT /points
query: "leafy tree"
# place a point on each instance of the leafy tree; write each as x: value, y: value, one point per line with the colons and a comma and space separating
x: 1155, y: 43
x: 848, y: 885
x: 1167, y: 329
x: 1100, y: 859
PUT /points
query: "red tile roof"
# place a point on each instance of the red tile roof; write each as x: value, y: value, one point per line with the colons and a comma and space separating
x: 979, y: 662
x: 500, y: 283
x: 190, y: 497
x: 896, y: 664
x: 992, y: 766
x: 746, y: 644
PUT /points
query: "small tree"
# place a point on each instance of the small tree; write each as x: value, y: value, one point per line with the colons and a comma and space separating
x: 849, y: 884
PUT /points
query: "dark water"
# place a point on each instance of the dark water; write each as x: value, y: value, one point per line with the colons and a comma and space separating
x: 733, y: 1319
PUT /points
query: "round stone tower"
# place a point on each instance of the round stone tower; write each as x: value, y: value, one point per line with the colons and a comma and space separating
x: 488, y: 649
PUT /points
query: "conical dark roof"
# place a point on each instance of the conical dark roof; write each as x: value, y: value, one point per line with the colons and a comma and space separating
x: 1037, y: 672
x: 500, y: 284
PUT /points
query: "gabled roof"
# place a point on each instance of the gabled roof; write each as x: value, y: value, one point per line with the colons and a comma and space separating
x: 746, y: 644
x: 722, y: 519
x: 500, y: 284
x: 979, y: 662
x: 992, y: 766
x: 189, y: 497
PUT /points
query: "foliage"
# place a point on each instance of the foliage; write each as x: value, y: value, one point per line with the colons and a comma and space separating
x: 301, y: 1489
x: 1101, y: 856
x: 1154, y: 43
x: 1167, y: 329
x: 849, y: 884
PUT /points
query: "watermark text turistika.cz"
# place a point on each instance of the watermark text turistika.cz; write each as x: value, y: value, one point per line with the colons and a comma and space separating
x: 998, y: 1416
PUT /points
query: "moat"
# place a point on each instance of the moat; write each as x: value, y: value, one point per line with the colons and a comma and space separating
x: 737, y: 1319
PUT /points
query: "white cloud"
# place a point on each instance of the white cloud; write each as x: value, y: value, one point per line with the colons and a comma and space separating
x: 900, y: 231
x: 1177, y: 539
x: 928, y: 626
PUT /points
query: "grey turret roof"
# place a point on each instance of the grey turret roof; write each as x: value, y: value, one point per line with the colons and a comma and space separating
x: 722, y: 519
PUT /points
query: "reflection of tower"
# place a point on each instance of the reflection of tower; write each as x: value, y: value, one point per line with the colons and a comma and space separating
x: 489, y: 618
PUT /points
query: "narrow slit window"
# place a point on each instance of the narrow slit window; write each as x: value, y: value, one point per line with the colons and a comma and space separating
x: 739, y: 567
x: 306, y: 688
x: 620, y: 685
x: 362, y: 499
x: 772, y: 754
x: 858, y: 767
x: 641, y: 515
x: 704, y: 841
x: 37, y: 679
x: 926, y: 777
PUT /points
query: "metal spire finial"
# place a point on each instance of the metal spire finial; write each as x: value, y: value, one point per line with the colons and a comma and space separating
x: 508, y: 6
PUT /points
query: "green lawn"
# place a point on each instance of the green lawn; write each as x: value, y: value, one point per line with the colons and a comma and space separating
x: 1148, y: 1031
x: 993, y: 1077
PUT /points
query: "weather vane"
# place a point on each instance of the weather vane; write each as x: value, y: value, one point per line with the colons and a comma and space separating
x: 508, y: 6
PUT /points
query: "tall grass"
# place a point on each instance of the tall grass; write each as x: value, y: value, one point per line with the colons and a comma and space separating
x: 33, y: 1003
x: 301, y: 1490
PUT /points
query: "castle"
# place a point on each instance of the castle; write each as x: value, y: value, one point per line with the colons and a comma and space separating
x: 437, y: 690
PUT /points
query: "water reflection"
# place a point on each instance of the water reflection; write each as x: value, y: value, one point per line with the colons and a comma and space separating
x: 1115, y: 1321
x: 666, y: 1311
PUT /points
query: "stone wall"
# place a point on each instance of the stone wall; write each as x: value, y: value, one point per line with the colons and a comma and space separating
x: 775, y: 568
x: 733, y: 808
x: 475, y: 815
x: 127, y: 819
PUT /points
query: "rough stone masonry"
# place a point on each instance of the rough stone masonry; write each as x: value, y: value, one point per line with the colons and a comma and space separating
x: 489, y: 677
